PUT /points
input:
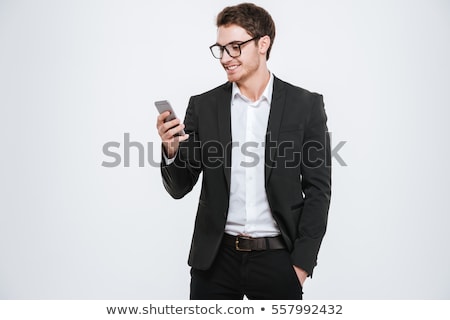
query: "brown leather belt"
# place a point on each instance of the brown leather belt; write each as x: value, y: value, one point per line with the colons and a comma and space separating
x: 243, y: 243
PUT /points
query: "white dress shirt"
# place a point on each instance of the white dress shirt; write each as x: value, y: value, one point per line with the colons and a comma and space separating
x: 249, y: 212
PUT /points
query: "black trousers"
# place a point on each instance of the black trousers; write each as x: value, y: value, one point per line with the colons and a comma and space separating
x: 262, y: 275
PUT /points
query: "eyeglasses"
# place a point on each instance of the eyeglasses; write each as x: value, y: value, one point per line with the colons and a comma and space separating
x: 233, y: 49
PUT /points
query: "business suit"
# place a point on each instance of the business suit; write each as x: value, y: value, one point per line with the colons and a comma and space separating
x: 298, y: 190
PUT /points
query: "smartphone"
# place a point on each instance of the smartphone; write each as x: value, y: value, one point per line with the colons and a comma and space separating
x: 163, y: 106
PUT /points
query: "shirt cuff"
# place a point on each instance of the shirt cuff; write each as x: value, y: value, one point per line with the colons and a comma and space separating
x: 168, y: 161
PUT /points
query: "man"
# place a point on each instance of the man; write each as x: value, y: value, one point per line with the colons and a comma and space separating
x: 263, y: 148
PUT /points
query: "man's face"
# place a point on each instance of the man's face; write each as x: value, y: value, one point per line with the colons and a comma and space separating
x: 245, y: 66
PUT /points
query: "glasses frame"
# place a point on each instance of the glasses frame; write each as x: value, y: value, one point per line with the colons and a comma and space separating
x: 224, y: 48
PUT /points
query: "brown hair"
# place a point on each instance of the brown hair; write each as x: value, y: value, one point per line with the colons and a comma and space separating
x: 255, y: 20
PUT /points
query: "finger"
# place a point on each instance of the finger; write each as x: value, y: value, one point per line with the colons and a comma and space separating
x: 175, y: 140
x: 172, y: 123
x: 173, y: 131
x: 170, y: 134
x: 183, y: 138
x: 162, y: 117
x: 166, y: 126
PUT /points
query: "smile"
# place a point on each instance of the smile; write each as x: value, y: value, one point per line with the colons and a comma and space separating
x: 231, y: 67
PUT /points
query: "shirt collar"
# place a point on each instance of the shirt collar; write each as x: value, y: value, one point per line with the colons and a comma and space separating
x: 267, y: 93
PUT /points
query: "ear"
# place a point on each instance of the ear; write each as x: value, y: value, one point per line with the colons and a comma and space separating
x: 264, y: 44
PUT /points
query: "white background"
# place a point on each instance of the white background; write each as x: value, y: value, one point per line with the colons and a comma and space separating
x: 75, y: 75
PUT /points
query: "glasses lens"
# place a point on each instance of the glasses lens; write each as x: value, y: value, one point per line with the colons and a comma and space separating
x: 234, y: 50
x: 216, y: 51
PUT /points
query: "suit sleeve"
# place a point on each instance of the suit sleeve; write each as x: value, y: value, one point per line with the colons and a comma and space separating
x: 180, y: 176
x: 316, y: 185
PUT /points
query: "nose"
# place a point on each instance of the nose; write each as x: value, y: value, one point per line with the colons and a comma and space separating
x: 225, y: 57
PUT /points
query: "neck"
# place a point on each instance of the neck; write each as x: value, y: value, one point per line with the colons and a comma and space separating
x: 254, y: 87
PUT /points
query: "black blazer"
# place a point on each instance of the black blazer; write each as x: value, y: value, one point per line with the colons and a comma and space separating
x: 297, y: 171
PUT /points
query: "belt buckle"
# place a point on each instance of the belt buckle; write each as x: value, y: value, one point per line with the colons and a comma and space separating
x: 237, y: 244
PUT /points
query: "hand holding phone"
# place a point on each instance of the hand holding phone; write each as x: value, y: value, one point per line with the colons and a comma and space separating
x: 163, y: 106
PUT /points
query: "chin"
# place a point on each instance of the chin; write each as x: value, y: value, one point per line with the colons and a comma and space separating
x: 233, y: 78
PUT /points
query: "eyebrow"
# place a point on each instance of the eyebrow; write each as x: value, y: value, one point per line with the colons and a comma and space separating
x: 232, y: 42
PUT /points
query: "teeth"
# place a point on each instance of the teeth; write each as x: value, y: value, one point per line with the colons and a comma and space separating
x: 232, y: 67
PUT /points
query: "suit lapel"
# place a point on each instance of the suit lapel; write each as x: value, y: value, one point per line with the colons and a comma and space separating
x: 224, y: 125
x: 273, y: 126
